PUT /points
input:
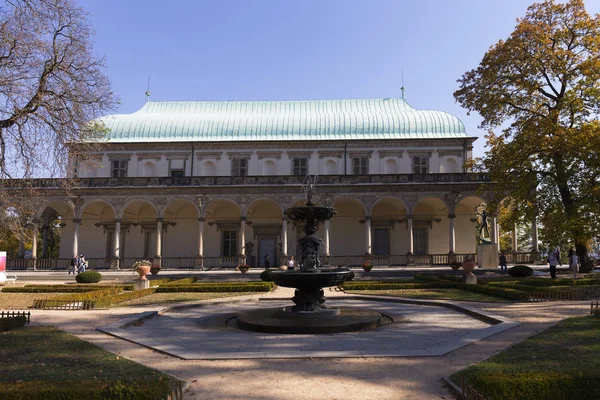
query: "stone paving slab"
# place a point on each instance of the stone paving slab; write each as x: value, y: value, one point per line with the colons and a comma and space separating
x: 423, y: 329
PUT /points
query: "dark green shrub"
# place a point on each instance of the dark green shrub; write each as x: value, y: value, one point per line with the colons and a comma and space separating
x: 426, y: 278
x: 89, y: 277
x: 218, y: 287
x: 65, y: 289
x: 8, y: 323
x: 184, y: 281
x: 106, y: 301
x: 520, y: 271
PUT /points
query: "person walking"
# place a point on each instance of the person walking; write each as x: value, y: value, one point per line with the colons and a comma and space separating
x: 291, y: 263
x: 74, y: 265
x: 82, y: 264
x: 573, y: 261
x: 503, y: 266
x: 554, y: 260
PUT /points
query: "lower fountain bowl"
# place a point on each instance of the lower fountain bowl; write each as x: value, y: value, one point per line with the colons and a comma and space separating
x: 310, y: 280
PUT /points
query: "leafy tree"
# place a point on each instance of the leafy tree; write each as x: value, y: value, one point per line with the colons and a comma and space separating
x: 51, y: 86
x: 541, y: 87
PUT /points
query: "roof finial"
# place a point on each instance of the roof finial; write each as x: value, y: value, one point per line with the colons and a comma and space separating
x: 402, y: 88
x: 148, y: 91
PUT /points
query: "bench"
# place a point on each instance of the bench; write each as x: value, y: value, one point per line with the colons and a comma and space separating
x: 7, y: 278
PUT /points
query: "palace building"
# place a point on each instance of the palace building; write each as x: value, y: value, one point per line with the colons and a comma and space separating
x: 205, y: 184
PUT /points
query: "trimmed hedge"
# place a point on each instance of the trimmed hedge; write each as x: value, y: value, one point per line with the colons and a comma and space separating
x: 124, y: 286
x: 558, y: 282
x: 106, y: 301
x: 218, y: 287
x: 426, y: 278
x: 88, y: 277
x: 520, y: 271
x: 8, y: 323
x: 90, y: 389
x: 47, y: 290
x: 158, y: 282
x: 184, y: 281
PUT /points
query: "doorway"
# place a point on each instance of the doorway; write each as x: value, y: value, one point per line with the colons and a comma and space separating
x: 268, y: 246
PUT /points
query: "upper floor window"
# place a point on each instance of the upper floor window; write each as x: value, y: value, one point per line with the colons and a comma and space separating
x: 239, y: 167
x: 360, y: 165
x: 300, y: 166
x: 420, y: 165
x: 177, y: 173
x: 118, y: 168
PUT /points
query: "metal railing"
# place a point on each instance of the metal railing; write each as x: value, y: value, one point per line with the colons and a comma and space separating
x: 252, y: 180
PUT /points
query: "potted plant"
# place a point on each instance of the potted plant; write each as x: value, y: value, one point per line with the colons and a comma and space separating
x: 243, y: 268
x: 155, y: 269
x: 367, y: 265
x: 142, y: 267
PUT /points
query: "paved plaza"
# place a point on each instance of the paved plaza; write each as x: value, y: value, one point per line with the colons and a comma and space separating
x: 202, y: 333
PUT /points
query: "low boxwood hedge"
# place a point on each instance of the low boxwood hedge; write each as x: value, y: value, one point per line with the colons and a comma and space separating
x: 184, y: 281
x: 218, y: 287
x: 107, y: 301
x: 88, y: 277
x: 8, y: 323
x: 47, y: 290
x: 158, y: 282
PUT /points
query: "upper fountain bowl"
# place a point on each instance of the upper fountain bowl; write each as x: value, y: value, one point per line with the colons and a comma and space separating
x: 310, y: 213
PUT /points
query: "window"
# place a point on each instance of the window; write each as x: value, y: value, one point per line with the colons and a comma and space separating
x: 239, y: 167
x: 229, y: 243
x: 177, y: 173
x: 420, y: 241
x: 118, y: 168
x: 420, y: 165
x: 360, y: 166
x: 381, y: 241
x: 300, y: 166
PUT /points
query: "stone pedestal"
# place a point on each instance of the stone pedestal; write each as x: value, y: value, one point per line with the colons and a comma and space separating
x: 141, y: 285
x: 470, y: 279
x: 487, y: 256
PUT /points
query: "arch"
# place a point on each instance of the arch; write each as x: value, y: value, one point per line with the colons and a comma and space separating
x: 343, y: 199
x: 212, y: 206
x: 392, y: 198
x: 179, y: 200
x: 62, y: 208
x: 429, y: 198
x: 95, y: 202
x: 138, y: 200
x: 330, y: 167
x: 449, y: 166
x: 269, y: 168
x: 254, y: 203
x: 149, y: 169
x: 391, y: 166
x: 209, y: 168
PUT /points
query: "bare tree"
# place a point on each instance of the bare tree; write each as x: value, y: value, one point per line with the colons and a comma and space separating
x: 51, y: 87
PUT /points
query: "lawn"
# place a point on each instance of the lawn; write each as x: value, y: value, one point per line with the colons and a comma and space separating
x: 46, y: 363
x: 442, y: 294
x: 560, y: 363
x: 21, y: 301
x: 166, y: 298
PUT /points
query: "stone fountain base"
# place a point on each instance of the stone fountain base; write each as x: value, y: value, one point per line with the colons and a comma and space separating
x: 331, y: 320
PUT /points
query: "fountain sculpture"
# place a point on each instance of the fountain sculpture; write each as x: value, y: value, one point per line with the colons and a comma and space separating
x: 309, y: 313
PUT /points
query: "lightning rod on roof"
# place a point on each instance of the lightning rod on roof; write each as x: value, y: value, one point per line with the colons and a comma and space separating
x: 402, y: 88
x: 148, y: 90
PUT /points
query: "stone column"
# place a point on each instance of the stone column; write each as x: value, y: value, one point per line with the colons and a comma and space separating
x: 326, y: 238
x: 45, y: 229
x: 368, y: 246
x: 242, y: 245
x: 76, y: 223
x: 159, y: 232
x: 117, y: 243
x: 409, y: 225
x: 452, y: 235
x: 514, y: 238
x: 200, y: 257
x: 494, y: 232
x: 284, y: 238
x: 36, y: 227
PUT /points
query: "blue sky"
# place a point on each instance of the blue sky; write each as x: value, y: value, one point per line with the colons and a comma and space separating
x: 299, y: 49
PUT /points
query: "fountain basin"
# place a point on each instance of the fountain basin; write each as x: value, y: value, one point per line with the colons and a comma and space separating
x: 310, y: 280
x: 310, y: 213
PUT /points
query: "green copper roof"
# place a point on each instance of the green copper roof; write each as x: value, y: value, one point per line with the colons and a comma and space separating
x: 209, y: 121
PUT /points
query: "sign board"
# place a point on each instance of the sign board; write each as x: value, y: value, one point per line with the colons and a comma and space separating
x: 2, y: 261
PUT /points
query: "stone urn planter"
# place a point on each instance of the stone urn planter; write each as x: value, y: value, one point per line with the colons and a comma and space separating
x: 244, y: 268
x: 154, y: 270
x: 468, y: 266
x: 283, y: 267
x: 367, y: 266
x: 142, y: 271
